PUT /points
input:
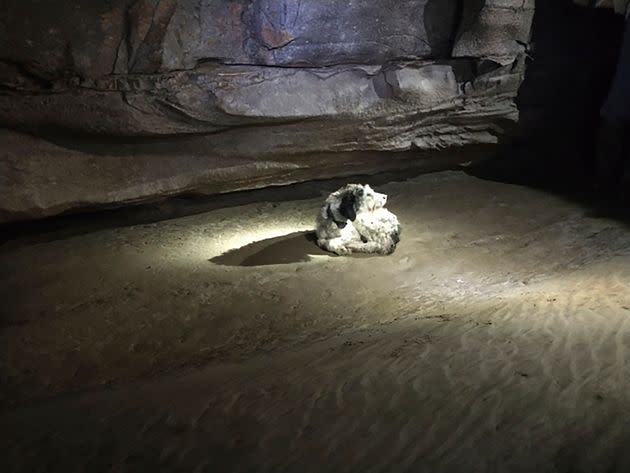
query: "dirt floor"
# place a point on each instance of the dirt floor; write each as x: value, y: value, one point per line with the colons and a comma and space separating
x: 495, y: 339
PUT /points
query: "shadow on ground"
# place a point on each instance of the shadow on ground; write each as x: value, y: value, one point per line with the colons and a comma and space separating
x: 293, y: 248
x: 296, y: 247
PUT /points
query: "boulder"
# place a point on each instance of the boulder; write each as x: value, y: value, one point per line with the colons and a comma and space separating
x: 219, y: 95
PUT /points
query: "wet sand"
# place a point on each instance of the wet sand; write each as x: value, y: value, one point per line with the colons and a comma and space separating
x: 496, y: 338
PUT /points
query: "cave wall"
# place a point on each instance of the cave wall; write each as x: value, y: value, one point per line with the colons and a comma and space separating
x: 575, y: 52
x: 106, y: 103
x: 572, y: 61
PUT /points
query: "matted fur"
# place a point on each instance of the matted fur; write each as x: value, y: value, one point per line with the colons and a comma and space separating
x: 354, y: 219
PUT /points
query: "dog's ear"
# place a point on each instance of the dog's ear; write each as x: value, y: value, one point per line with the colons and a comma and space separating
x: 347, y: 207
x: 331, y: 216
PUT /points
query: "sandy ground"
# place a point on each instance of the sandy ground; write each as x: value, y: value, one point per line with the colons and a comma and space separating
x: 496, y: 338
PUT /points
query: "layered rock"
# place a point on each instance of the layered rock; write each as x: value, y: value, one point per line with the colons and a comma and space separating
x: 184, y: 90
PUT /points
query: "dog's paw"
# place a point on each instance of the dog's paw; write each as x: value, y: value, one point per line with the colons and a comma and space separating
x: 387, y: 250
x: 343, y: 251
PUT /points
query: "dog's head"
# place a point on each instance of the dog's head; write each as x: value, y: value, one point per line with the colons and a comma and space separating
x: 354, y: 199
x: 370, y: 200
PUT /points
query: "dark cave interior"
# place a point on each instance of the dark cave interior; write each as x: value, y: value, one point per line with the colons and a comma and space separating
x: 167, y: 304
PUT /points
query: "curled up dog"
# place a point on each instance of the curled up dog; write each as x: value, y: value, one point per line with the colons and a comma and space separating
x: 354, y: 219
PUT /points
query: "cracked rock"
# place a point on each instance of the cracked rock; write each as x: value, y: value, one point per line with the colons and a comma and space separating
x: 256, y: 92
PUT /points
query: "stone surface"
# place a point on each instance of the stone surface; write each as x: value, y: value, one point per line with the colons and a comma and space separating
x: 56, y: 178
x: 493, y: 29
x: 221, y: 98
x: 254, y: 81
x: 147, y: 36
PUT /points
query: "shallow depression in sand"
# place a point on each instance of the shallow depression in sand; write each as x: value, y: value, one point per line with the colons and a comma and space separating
x: 294, y: 248
x: 299, y: 247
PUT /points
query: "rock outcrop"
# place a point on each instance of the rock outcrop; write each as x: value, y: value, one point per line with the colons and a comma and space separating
x: 122, y: 101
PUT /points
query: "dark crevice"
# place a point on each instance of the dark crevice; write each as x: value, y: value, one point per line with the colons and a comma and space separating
x: 122, y: 43
x: 28, y: 74
x: 457, y: 25
x: 382, y: 87
x: 148, y: 54
x: 128, y: 29
x: 572, y: 60
x: 441, y: 20
x: 468, y: 12
x: 465, y: 69
x: 280, y: 46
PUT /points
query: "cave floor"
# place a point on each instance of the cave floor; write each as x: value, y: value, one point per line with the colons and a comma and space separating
x: 496, y: 338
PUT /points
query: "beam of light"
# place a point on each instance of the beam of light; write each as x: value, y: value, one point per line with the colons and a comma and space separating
x: 203, y: 247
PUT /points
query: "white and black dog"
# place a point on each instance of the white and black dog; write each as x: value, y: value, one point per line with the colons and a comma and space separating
x: 354, y: 219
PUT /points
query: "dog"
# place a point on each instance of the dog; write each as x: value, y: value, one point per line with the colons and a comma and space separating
x: 354, y: 219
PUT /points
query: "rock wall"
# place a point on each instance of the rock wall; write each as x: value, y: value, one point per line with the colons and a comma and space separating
x: 128, y: 100
x: 555, y: 144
